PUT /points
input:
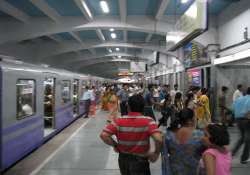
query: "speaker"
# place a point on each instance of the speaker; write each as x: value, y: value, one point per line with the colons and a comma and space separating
x: 146, y: 67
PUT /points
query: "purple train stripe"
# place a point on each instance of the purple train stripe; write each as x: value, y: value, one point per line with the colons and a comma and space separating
x: 22, y: 131
x: 63, y: 118
x: 59, y: 109
x: 15, y: 149
x: 29, y: 121
x: 22, y: 124
x: 28, y: 134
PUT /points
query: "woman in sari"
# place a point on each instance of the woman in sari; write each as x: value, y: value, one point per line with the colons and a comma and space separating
x: 203, y: 110
x: 113, y: 105
x: 104, y: 99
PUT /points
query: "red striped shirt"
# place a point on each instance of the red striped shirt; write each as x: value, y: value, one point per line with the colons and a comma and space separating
x: 132, y: 132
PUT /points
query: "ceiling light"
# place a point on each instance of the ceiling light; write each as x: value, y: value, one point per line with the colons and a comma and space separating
x: 113, y: 35
x: 86, y: 9
x: 110, y: 50
x: 112, y: 29
x: 184, y: 1
x: 104, y: 6
x: 117, y: 49
x: 119, y: 56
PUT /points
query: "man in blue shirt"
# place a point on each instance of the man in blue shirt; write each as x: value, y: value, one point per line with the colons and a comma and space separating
x: 241, y: 109
x: 164, y: 91
x: 123, y: 98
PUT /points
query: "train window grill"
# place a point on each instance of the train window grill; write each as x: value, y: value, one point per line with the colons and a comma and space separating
x: 65, y: 85
x: 26, y: 98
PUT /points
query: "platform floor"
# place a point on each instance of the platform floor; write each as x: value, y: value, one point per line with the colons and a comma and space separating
x: 79, y: 151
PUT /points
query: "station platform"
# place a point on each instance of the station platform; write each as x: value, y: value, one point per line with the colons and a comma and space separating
x: 78, y: 150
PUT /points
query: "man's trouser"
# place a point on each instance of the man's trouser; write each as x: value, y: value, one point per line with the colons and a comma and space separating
x: 123, y: 107
x: 133, y: 165
x: 244, y: 127
x: 87, y: 107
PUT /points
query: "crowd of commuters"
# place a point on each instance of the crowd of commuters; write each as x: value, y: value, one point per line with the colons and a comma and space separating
x: 183, y: 115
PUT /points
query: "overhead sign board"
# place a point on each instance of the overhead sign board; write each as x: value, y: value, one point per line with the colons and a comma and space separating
x: 137, y: 66
x: 191, y: 24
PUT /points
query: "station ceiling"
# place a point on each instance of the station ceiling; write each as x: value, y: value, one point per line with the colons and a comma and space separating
x: 76, y: 34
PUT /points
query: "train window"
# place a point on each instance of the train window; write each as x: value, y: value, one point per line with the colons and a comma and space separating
x: 65, y: 91
x: 25, y: 98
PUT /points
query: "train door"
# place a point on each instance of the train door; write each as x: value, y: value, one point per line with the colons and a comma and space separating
x: 49, y: 105
x: 76, y: 97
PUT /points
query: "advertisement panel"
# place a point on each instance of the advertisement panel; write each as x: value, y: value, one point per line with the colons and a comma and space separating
x: 194, y: 77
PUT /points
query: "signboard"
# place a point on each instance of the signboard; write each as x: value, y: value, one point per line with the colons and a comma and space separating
x: 137, y: 66
x: 191, y: 24
x: 194, y: 77
x: 125, y: 73
x: 195, y: 55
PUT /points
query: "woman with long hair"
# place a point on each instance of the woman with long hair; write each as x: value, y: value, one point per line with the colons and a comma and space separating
x: 113, y: 105
x: 203, y: 110
x: 182, y: 150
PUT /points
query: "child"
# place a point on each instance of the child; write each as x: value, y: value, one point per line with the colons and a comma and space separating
x: 217, y: 159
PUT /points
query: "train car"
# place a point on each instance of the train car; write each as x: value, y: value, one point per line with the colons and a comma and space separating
x: 36, y: 103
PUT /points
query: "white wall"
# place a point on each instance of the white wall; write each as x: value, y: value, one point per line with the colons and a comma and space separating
x: 232, y: 22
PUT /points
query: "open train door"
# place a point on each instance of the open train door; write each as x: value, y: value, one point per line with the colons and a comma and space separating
x: 49, y: 105
x: 76, y: 97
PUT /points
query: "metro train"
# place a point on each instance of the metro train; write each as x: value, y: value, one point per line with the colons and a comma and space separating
x: 36, y: 103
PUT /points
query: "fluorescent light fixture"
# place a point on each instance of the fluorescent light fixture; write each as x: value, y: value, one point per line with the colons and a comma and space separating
x: 224, y: 59
x: 184, y: 1
x: 117, y: 49
x: 86, y: 8
x: 110, y: 50
x: 112, y: 29
x: 104, y: 6
x: 45, y: 65
x: 119, y: 56
x: 113, y: 35
x: 242, y: 54
x: 234, y: 57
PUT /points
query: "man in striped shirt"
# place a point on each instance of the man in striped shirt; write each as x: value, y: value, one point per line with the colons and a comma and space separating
x: 133, y: 132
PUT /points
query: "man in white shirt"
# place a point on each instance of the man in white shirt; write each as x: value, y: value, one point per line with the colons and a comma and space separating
x: 238, y: 93
x: 87, y: 100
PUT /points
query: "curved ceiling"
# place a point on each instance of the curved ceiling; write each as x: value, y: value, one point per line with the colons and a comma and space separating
x: 75, y: 34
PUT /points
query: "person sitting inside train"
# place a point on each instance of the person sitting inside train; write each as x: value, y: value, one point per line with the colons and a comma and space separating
x: 48, y: 101
x: 26, y: 107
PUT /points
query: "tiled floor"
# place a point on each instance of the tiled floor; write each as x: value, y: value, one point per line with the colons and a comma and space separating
x: 85, y: 154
